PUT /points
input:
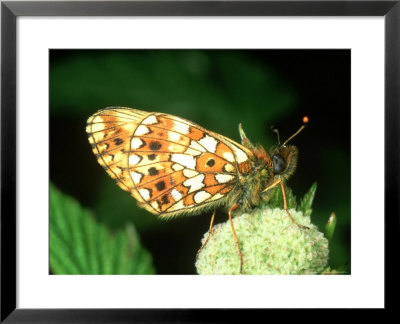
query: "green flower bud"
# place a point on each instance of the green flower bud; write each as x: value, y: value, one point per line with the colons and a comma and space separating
x: 270, y: 242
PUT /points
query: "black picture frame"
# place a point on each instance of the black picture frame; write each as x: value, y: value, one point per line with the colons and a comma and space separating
x: 11, y: 10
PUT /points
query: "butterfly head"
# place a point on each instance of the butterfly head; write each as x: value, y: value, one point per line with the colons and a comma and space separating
x: 284, y: 160
x: 284, y: 156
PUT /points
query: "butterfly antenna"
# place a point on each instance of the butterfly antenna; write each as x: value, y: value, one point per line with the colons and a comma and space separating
x: 276, y: 131
x: 305, y: 122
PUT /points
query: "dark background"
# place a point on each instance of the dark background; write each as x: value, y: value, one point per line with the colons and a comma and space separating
x: 216, y: 89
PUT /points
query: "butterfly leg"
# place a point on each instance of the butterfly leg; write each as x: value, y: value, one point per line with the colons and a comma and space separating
x: 209, y: 234
x: 274, y: 184
x: 285, y: 206
x: 234, y: 235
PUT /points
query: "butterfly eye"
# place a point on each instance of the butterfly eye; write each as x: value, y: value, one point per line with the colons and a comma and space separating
x: 279, y: 163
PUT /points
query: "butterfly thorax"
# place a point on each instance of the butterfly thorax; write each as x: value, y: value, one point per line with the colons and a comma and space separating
x: 264, y: 169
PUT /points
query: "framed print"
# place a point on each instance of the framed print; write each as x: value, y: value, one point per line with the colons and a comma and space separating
x: 255, y: 144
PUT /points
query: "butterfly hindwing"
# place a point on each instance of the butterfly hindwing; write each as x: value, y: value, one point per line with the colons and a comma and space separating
x: 170, y: 165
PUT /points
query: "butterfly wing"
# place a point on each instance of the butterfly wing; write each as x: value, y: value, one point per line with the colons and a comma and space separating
x: 170, y: 165
x: 109, y: 133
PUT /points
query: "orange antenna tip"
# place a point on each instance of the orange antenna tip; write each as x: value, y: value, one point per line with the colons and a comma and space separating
x: 305, y: 121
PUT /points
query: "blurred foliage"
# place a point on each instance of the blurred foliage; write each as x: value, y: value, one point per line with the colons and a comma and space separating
x: 330, y: 226
x: 190, y: 84
x: 80, y: 245
x: 217, y: 89
x: 307, y: 201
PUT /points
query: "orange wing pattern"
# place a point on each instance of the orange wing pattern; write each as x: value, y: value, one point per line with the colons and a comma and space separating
x: 170, y: 165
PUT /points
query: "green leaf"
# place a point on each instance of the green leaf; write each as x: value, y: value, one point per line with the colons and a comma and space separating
x: 306, y: 202
x: 81, y: 245
x: 108, y: 196
x: 330, y: 226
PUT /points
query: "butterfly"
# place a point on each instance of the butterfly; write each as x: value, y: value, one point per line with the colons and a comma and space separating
x: 174, y: 167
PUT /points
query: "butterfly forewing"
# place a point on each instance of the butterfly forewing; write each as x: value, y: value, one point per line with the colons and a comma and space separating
x: 170, y: 165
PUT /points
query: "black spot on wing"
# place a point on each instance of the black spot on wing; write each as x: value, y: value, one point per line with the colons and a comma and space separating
x: 210, y: 162
x: 153, y: 171
x: 160, y: 185
x: 118, y: 141
x: 164, y: 199
x: 155, y: 146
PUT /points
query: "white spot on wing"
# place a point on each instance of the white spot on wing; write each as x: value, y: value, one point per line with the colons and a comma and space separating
x: 191, y: 151
x: 217, y: 196
x: 118, y: 156
x: 177, y: 167
x: 190, y: 173
x: 180, y: 127
x: 141, y: 130
x: 150, y: 120
x: 97, y: 119
x: 134, y: 159
x: 185, y: 160
x: 98, y: 136
x: 107, y: 158
x: 240, y: 155
x: 96, y: 126
x: 195, y: 183
x: 223, y: 178
x: 136, y: 177
x: 179, y: 205
x: 145, y: 193
x: 229, y: 156
x: 229, y: 167
x: 176, y: 195
x: 210, y: 143
x: 154, y: 204
x: 201, y: 196
x: 174, y: 137
x: 196, y: 146
x: 136, y: 143
x: 129, y: 127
